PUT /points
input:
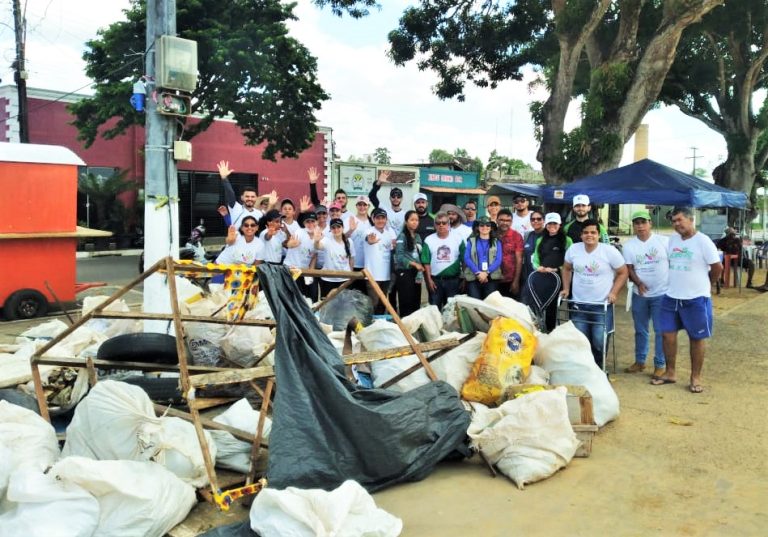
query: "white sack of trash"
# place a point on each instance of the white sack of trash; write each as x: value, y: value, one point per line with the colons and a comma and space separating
x: 347, y: 511
x: 117, y: 421
x: 529, y: 438
x: 566, y: 354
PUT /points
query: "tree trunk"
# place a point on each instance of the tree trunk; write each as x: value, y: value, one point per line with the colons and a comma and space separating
x: 646, y: 84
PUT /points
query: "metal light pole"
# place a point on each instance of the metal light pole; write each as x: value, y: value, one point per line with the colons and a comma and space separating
x: 161, y: 207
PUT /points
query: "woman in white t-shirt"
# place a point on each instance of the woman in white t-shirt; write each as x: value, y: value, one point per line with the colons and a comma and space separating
x: 339, y: 254
x: 379, y: 243
x: 594, y: 273
x: 242, y: 249
x: 300, y: 251
x: 274, y: 234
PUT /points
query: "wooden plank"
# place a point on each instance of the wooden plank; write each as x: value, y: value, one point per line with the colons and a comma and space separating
x: 256, y: 447
x: 183, y: 318
x: 400, y: 376
x: 353, y: 275
x: 396, y: 352
x: 333, y: 294
x: 211, y: 402
x: 130, y: 366
x: 232, y: 376
x: 208, y: 424
x: 395, y: 317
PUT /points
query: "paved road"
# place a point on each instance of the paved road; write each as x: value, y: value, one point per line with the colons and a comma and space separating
x: 113, y: 269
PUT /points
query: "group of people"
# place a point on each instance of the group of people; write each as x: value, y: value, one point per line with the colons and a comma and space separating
x: 454, y: 251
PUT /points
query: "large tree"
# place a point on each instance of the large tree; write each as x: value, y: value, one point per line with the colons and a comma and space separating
x: 718, y: 70
x: 249, y: 68
x: 613, y: 53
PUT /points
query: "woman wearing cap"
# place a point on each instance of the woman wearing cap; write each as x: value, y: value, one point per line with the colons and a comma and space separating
x: 482, y: 260
x: 300, y: 251
x: 410, y: 271
x: 244, y: 248
x: 339, y: 254
x: 359, y: 225
x: 492, y: 207
x: 378, y: 245
x: 549, y: 256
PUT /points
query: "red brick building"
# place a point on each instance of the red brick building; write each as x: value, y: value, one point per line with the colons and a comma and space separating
x: 199, y: 184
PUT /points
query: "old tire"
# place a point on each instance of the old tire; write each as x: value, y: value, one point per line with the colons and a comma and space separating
x: 160, y: 390
x: 140, y: 347
x: 25, y: 304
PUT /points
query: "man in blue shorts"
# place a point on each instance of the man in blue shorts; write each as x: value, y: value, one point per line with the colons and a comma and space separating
x: 694, y: 266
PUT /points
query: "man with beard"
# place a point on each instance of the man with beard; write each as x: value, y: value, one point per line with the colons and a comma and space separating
x: 456, y: 219
x: 426, y: 222
x: 581, y: 210
x: 521, y: 219
x: 395, y: 212
x: 250, y: 199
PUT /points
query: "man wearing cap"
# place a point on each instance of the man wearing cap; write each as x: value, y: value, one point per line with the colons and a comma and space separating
x: 694, y: 266
x: 250, y: 199
x: 492, y: 207
x: 426, y: 222
x: 594, y: 273
x: 648, y: 267
x: 441, y: 256
x: 395, y: 212
x: 581, y: 209
x: 521, y: 219
x: 511, y: 254
x: 456, y: 218
x: 379, y: 243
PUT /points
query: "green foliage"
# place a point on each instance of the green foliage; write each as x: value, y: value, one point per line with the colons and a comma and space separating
x: 382, y: 156
x: 440, y: 155
x: 102, y: 193
x: 249, y: 67
x: 505, y: 165
x: 354, y: 8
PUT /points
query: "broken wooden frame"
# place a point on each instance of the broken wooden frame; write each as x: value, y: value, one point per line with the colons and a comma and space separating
x: 194, y: 377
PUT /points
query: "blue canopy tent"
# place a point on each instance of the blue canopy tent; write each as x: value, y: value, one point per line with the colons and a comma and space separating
x: 646, y: 182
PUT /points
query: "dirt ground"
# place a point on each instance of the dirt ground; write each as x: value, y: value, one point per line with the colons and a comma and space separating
x: 674, y: 463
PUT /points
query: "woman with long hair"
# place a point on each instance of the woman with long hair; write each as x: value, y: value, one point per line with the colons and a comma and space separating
x: 529, y: 244
x: 245, y: 248
x: 408, y: 267
x: 482, y: 260
x: 549, y: 256
x: 339, y: 254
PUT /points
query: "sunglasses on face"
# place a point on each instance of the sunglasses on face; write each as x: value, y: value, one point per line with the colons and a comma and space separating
x: 535, y: 219
x: 441, y: 223
x: 395, y: 195
x: 484, y: 225
x: 249, y: 225
x: 518, y: 201
x: 494, y: 204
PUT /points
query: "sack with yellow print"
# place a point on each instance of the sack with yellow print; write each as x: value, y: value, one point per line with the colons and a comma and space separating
x: 505, y: 360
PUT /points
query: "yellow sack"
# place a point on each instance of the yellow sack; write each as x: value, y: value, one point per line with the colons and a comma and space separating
x: 505, y: 359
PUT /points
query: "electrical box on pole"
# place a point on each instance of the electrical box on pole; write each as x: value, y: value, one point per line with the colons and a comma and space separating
x: 176, y: 63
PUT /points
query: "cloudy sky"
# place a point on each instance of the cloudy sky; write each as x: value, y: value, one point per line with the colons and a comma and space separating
x: 373, y: 103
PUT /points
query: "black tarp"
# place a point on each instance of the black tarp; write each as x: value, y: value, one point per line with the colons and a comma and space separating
x: 326, y: 430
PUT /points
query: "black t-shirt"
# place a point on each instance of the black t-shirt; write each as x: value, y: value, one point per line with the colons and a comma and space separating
x: 552, y: 251
x: 574, y: 230
x: 426, y: 226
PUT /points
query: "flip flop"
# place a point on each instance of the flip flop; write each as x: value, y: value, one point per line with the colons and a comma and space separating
x: 695, y: 388
x: 661, y: 381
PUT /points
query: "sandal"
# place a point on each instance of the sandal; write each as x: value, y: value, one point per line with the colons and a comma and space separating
x: 695, y: 388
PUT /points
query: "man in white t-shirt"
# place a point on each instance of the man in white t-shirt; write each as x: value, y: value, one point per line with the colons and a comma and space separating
x: 251, y: 202
x: 441, y: 255
x: 457, y: 219
x: 648, y: 266
x: 378, y: 246
x: 694, y: 266
x: 521, y: 218
x: 395, y: 211
x: 594, y: 273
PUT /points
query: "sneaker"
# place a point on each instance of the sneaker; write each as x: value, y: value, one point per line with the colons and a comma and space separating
x: 635, y: 368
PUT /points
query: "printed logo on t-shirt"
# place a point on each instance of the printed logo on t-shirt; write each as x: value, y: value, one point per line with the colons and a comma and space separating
x: 649, y: 257
x: 444, y: 253
x: 587, y: 270
x: 680, y: 259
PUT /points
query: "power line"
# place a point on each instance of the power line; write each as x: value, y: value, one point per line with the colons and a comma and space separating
x: 694, y: 157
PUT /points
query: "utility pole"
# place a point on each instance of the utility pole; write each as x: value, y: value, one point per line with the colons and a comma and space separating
x: 161, y: 190
x: 20, y: 72
x: 694, y: 157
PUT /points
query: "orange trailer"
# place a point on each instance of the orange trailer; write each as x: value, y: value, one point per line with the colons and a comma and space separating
x: 38, y: 231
